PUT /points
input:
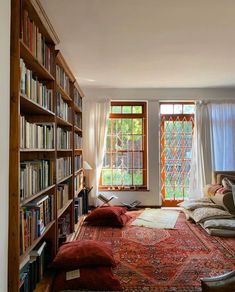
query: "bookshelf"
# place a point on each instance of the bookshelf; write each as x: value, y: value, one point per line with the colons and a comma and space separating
x: 46, y: 172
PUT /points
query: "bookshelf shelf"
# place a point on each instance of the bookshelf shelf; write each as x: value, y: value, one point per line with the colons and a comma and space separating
x: 77, y: 108
x: 64, y: 179
x: 78, y: 150
x: 78, y: 130
x: 78, y: 171
x: 62, y: 122
x: 34, y: 108
x: 62, y: 210
x: 48, y: 227
x: 46, y: 106
x: 36, y: 150
x: 33, y: 197
x: 34, y: 64
x: 63, y: 93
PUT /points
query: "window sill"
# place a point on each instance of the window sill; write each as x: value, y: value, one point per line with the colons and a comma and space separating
x: 102, y: 189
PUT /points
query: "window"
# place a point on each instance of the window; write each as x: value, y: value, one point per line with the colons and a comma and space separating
x: 125, y: 159
x: 177, y: 122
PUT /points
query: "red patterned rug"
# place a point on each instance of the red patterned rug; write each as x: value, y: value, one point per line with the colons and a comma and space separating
x: 165, y: 260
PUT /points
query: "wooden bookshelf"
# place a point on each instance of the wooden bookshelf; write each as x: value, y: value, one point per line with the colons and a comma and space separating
x: 41, y: 107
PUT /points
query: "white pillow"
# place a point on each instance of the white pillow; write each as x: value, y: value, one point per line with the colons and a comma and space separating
x: 220, y: 223
x: 195, y: 205
x: 202, y: 214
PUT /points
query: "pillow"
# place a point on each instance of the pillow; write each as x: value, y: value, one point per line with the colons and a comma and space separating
x: 220, y: 232
x: 93, y: 279
x: 225, y: 200
x: 227, y: 183
x: 203, y: 214
x: 83, y: 253
x: 195, y: 205
x: 107, y: 216
x: 220, y: 223
x: 213, y: 189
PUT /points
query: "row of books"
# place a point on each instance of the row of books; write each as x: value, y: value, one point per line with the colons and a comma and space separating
x: 33, y: 267
x: 63, y: 167
x: 64, y: 111
x: 62, y: 79
x: 33, y: 89
x: 78, y: 120
x: 77, y: 162
x: 34, y: 217
x: 63, y: 138
x: 77, y: 141
x: 62, y: 195
x: 77, y: 98
x: 35, y: 41
x: 35, y: 175
x: 78, y: 182
x: 36, y: 135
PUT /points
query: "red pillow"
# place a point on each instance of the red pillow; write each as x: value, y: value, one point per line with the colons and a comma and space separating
x: 106, y: 216
x: 99, y: 278
x: 83, y: 253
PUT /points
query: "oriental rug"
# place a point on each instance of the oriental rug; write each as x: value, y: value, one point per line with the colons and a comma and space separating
x: 157, y: 218
x: 164, y: 260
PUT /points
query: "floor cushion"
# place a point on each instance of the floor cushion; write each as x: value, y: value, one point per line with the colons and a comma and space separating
x: 83, y: 253
x: 93, y: 279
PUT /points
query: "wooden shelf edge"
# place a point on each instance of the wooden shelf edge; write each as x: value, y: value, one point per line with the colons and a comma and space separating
x: 64, y: 208
x: 31, y: 198
x: 25, y: 150
x: 36, y: 241
x: 64, y: 179
x: 39, y: 69
x: 77, y: 108
x: 64, y: 94
x: 62, y: 122
x: 77, y: 171
x: 26, y: 102
x: 77, y: 129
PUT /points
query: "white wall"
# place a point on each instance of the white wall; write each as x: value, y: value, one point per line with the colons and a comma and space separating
x: 4, y: 134
x: 152, y: 197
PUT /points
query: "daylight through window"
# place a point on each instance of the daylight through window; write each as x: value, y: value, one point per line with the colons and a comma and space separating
x: 124, y: 165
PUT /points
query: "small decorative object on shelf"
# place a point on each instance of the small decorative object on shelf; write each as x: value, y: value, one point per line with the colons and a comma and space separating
x: 106, y: 201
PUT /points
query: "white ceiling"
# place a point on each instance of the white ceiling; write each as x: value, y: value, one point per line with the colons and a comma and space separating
x: 147, y: 43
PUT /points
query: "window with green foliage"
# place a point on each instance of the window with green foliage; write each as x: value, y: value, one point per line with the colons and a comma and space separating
x: 124, y: 165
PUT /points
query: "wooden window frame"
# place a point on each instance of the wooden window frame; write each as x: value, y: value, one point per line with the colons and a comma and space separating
x: 143, y: 116
x: 187, y: 117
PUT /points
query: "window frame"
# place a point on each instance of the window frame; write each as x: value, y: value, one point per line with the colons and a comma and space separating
x: 143, y: 116
x: 188, y: 117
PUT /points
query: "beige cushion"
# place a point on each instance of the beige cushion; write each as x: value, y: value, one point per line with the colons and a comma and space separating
x: 225, y: 200
x: 195, y: 205
x: 203, y: 214
x: 220, y: 232
x: 220, y: 223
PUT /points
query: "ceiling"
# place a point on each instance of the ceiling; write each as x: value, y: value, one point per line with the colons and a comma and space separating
x: 147, y: 43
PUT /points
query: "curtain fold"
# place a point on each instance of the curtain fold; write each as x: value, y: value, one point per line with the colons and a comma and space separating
x: 94, y: 140
x: 223, y: 134
x: 201, y: 163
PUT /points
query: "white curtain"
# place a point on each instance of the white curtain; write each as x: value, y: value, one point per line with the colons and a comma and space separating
x: 201, y: 164
x: 223, y: 134
x: 95, y: 119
